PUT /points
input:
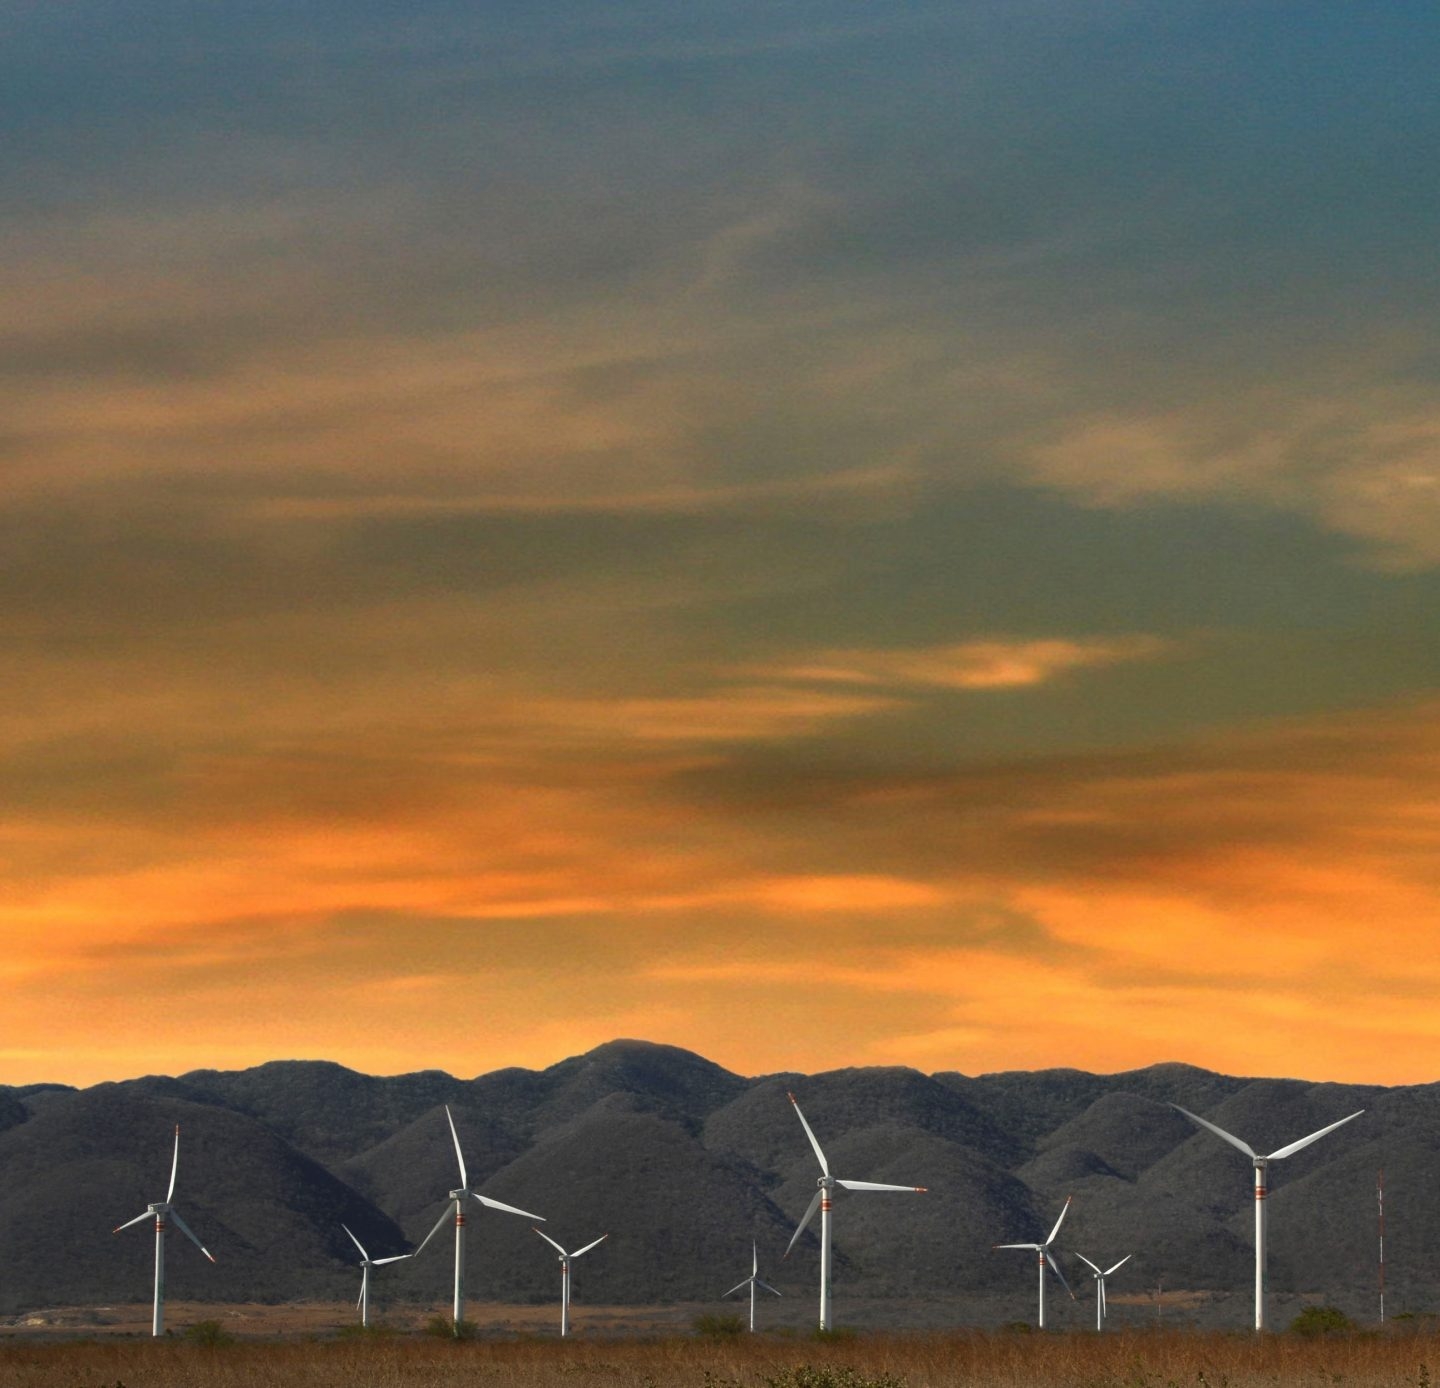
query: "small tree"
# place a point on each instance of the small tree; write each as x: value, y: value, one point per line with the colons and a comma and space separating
x: 1321, y: 1320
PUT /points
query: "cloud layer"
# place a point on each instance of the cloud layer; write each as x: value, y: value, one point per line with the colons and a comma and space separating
x: 822, y: 540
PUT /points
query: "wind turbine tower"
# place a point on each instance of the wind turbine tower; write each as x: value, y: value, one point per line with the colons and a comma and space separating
x: 160, y: 1210
x: 1042, y: 1249
x: 752, y: 1282
x: 366, y: 1263
x: 565, y: 1260
x: 1101, y: 1310
x: 456, y: 1211
x: 822, y: 1201
x: 1262, y: 1168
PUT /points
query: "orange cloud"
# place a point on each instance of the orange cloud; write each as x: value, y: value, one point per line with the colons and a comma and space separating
x: 972, y: 665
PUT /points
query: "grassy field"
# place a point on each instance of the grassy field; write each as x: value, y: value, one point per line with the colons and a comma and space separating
x: 1125, y: 1360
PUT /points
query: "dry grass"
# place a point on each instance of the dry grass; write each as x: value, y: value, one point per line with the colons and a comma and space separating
x: 965, y: 1360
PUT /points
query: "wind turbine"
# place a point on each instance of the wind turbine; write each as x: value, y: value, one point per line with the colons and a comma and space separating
x: 565, y: 1275
x: 752, y: 1282
x: 1042, y: 1249
x: 457, y: 1212
x: 822, y: 1201
x: 1101, y: 1311
x: 366, y: 1263
x: 160, y: 1209
x: 1262, y: 1164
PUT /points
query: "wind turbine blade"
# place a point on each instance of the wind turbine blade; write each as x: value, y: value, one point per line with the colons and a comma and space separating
x: 356, y: 1242
x: 501, y: 1205
x: 809, y: 1215
x: 1219, y: 1132
x: 393, y: 1258
x: 824, y: 1165
x: 754, y: 1258
x: 189, y: 1234
x: 589, y: 1246
x: 767, y: 1287
x: 1314, y: 1137
x: 879, y: 1185
x: 552, y: 1243
x: 737, y: 1287
x: 1104, y: 1309
x: 1120, y: 1264
x: 174, y: 1167
x: 1055, y: 1268
x: 361, y: 1297
x: 459, y: 1156
x: 149, y: 1214
x: 1091, y: 1265
x: 1063, y: 1212
x: 440, y: 1223
x: 1033, y: 1247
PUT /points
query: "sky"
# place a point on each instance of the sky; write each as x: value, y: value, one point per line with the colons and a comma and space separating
x: 824, y: 534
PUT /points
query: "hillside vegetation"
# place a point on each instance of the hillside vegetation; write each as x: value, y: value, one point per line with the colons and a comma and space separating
x: 684, y: 1163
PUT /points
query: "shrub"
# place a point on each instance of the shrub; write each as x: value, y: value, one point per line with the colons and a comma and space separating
x: 208, y: 1333
x: 443, y: 1328
x: 718, y: 1327
x: 1321, y: 1320
x: 826, y: 1376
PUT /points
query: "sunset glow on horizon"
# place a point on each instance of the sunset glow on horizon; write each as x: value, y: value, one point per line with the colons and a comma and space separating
x: 820, y: 538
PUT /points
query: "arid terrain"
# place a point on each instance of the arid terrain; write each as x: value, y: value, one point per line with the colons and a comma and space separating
x: 1154, y: 1359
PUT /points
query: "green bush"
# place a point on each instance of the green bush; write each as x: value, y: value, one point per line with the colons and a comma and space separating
x: 718, y: 1327
x: 826, y: 1376
x: 1321, y: 1320
x: 443, y: 1328
x: 208, y: 1333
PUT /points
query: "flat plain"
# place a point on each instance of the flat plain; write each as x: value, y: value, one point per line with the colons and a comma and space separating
x: 405, y: 1359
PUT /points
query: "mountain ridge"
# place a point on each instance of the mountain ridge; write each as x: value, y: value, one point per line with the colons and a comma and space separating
x: 683, y: 1162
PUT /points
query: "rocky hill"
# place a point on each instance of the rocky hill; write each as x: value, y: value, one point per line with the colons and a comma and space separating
x: 684, y: 1163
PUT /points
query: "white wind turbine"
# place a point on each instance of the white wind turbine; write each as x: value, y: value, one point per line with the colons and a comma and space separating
x: 457, y: 1212
x: 1261, y: 1164
x: 159, y: 1210
x: 565, y: 1260
x: 752, y: 1282
x: 366, y: 1263
x: 1101, y: 1310
x: 822, y: 1200
x: 1042, y: 1249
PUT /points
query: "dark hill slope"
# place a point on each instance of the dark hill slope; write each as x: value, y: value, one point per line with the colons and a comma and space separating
x: 683, y: 1163
x: 760, y: 1126
x: 326, y: 1111
x: 76, y: 1170
x: 663, y: 1079
x: 675, y: 1214
x: 12, y: 1110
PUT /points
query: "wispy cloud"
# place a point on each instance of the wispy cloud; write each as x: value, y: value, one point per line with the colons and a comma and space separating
x: 971, y: 665
x: 1362, y: 463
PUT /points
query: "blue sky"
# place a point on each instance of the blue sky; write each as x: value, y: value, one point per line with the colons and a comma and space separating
x: 674, y: 484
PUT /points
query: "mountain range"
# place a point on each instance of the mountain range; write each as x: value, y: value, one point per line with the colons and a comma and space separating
x: 684, y: 1163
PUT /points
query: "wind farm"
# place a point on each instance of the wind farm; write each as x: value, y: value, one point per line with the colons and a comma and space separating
x: 630, y: 629
x: 659, y: 1140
